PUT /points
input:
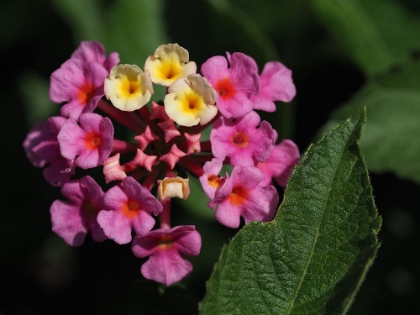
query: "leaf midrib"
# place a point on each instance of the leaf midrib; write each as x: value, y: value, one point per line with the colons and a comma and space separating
x: 289, y: 310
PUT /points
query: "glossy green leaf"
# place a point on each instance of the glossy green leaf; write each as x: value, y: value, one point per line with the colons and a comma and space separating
x: 312, y: 258
x: 376, y: 34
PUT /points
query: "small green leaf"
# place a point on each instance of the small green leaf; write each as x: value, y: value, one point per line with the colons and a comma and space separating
x: 312, y: 258
x: 377, y: 34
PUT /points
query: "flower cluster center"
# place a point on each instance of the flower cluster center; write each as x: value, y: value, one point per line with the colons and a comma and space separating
x: 166, y: 242
x: 86, y: 93
x: 240, y: 139
x: 225, y: 88
x: 130, y: 209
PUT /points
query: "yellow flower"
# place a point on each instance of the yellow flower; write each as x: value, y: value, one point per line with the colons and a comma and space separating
x: 190, y: 101
x: 128, y: 87
x: 169, y: 63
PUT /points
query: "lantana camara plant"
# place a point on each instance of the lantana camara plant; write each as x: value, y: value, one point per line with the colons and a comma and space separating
x: 96, y: 91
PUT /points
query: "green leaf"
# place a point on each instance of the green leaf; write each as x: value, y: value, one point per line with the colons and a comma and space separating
x: 377, y: 34
x: 312, y: 258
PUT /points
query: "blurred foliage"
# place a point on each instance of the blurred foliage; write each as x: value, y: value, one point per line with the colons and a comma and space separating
x: 377, y: 34
x: 352, y: 52
x: 382, y: 38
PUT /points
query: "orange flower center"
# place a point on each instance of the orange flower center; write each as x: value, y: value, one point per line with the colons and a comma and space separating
x: 166, y: 242
x: 225, y: 89
x: 240, y: 139
x: 86, y: 92
x: 130, y: 209
x: 92, y: 141
x: 238, y: 196
x: 214, y: 181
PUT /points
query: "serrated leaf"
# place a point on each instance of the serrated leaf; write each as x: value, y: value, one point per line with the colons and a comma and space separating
x: 377, y: 34
x: 312, y: 258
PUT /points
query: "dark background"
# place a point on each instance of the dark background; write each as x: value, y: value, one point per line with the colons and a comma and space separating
x: 40, y: 274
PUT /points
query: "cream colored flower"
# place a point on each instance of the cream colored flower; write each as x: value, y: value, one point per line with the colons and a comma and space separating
x: 174, y: 187
x: 190, y: 101
x: 169, y: 63
x: 128, y: 87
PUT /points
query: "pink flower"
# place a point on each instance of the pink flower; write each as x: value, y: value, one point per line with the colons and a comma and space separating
x: 233, y: 85
x: 89, y: 143
x: 130, y: 206
x: 72, y: 219
x: 81, y: 86
x: 241, y: 140
x: 276, y: 85
x: 165, y: 248
x: 89, y: 51
x: 80, y: 80
x: 210, y: 180
x: 241, y: 195
x: 42, y: 148
x: 280, y: 163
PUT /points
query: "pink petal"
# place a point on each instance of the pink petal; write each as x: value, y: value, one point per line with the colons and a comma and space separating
x: 67, y: 223
x: 166, y: 267
x: 115, y: 226
x: 211, y: 170
x: 280, y: 163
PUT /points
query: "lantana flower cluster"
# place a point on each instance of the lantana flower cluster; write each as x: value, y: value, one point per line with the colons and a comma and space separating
x: 145, y: 173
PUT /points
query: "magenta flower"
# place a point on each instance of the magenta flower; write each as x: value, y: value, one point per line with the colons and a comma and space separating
x: 210, y: 180
x: 166, y: 247
x: 89, y: 143
x: 42, y: 148
x: 79, y: 85
x: 72, y: 219
x: 241, y: 195
x: 276, y: 85
x: 233, y: 85
x: 128, y: 206
x: 89, y: 51
x: 280, y: 163
x: 241, y: 140
x: 79, y: 82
